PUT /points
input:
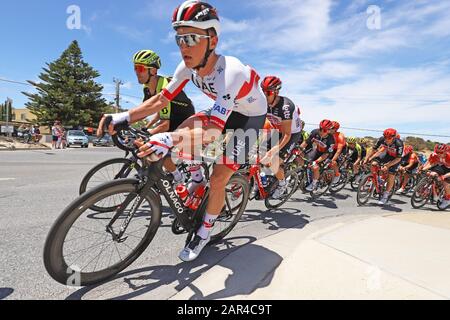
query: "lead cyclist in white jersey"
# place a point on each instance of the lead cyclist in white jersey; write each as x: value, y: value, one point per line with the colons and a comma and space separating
x: 239, y: 104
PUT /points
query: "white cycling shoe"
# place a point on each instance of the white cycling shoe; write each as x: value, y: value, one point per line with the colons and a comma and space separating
x: 279, y: 191
x: 193, y: 249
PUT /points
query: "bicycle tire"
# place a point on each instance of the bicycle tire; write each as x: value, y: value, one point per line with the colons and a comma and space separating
x: 127, y: 165
x: 315, y: 194
x: 362, y: 200
x: 291, y: 180
x: 235, y: 179
x: 53, y: 255
x: 416, y: 195
x: 341, y: 184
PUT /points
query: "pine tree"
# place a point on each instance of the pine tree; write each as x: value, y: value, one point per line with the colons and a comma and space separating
x: 6, y: 108
x: 68, y: 92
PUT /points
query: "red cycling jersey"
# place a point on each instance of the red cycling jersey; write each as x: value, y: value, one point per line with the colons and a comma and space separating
x: 444, y: 160
x: 411, y: 158
x: 339, y: 140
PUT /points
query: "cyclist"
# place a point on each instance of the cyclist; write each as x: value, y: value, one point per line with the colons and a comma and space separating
x: 146, y: 66
x: 422, y: 161
x: 439, y: 165
x: 304, y: 133
x: 388, y: 153
x: 284, y: 116
x: 317, y: 148
x: 357, y: 154
x: 408, y: 166
x: 239, y: 104
x: 339, y: 150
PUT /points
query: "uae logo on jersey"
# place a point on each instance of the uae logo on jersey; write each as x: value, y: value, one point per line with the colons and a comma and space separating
x: 251, y: 100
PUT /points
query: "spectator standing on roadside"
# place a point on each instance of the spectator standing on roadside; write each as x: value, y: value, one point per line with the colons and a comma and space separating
x: 54, y: 134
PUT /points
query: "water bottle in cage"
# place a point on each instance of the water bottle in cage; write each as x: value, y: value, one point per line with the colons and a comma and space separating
x: 196, y: 198
x: 263, y: 179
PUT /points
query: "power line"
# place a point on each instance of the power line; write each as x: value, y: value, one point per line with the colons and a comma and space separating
x: 381, y: 131
x: 17, y: 82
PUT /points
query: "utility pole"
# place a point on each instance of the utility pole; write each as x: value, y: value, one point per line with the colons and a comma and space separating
x: 118, y: 84
x: 8, y: 106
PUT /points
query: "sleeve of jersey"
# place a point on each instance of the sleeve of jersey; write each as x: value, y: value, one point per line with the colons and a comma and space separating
x: 378, y: 145
x: 228, y: 89
x: 288, y: 111
x: 399, y: 149
x: 180, y: 79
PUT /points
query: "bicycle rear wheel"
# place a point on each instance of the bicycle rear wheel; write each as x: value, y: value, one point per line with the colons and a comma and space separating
x: 236, y: 198
x: 291, y: 187
x: 81, y: 249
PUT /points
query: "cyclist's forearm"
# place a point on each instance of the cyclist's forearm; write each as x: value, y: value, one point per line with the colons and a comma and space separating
x: 162, y: 127
x: 338, y: 153
x: 149, y: 107
x: 393, y: 162
x: 153, y: 122
x: 284, y: 141
x: 322, y: 158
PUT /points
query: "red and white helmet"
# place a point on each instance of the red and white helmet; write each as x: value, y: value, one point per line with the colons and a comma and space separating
x: 336, y: 125
x: 271, y: 83
x: 407, y: 150
x: 441, y: 148
x: 390, y: 133
x: 196, y: 14
x: 326, y: 125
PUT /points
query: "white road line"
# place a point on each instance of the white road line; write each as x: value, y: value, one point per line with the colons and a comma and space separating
x: 7, y: 179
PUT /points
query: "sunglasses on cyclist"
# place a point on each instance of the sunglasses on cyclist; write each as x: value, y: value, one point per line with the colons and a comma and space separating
x: 140, y: 68
x: 190, y: 39
x: 269, y: 93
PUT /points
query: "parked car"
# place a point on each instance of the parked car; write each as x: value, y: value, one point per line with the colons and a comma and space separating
x: 105, y: 141
x: 77, y: 138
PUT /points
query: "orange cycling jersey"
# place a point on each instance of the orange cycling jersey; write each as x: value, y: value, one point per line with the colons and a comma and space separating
x: 339, y: 140
x: 435, y: 159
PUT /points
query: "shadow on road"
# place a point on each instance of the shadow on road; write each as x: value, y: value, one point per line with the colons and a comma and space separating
x: 243, y: 278
x: 282, y: 218
x: 5, y: 292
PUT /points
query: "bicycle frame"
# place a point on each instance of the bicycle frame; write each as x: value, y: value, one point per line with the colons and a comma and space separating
x: 254, y: 172
x: 153, y: 176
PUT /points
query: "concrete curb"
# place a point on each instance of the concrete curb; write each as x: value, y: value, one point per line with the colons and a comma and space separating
x: 257, y: 261
x: 345, y: 257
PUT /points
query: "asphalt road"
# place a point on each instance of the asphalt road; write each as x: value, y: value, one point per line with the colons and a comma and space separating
x: 35, y: 186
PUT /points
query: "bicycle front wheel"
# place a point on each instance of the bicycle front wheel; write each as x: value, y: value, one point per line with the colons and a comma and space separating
x: 82, y: 247
x: 365, y: 189
x: 421, y: 194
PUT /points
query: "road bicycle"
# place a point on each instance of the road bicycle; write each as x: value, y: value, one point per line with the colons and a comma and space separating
x: 373, y: 185
x: 85, y: 247
x: 429, y: 189
x: 264, y: 190
x: 305, y: 174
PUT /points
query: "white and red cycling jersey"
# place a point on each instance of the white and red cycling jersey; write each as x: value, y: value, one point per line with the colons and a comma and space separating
x: 285, y: 110
x: 435, y: 159
x: 232, y: 85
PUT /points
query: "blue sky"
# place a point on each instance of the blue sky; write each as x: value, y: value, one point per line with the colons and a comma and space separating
x: 335, y: 59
